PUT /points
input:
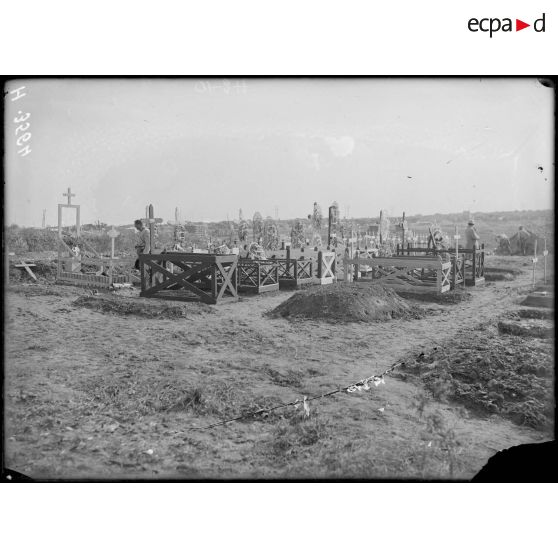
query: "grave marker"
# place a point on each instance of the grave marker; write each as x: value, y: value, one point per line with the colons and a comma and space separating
x: 27, y: 267
x: 113, y: 234
x: 151, y: 222
x: 456, y: 237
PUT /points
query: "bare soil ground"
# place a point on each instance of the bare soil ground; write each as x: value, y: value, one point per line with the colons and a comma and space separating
x: 112, y: 387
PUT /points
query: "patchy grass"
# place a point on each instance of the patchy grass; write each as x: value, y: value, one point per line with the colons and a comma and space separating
x: 289, y: 378
x: 293, y: 435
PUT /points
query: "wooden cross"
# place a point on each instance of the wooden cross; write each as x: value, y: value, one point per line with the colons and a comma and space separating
x: 456, y: 237
x: 113, y: 233
x: 150, y: 222
x: 69, y: 195
x: 27, y: 267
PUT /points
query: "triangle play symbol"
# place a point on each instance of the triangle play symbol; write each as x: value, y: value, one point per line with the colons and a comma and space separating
x: 519, y: 25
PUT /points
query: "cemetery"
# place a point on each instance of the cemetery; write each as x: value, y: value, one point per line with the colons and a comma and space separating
x: 243, y: 331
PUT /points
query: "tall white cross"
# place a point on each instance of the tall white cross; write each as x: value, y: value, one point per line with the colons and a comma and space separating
x: 69, y: 195
x: 456, y: 237
x: 113, y: 233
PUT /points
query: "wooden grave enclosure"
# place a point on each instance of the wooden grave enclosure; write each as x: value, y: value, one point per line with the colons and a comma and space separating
x: 293, y: 273
x: 404, y: 273
x: 258, y: 276
x: 323, y: 269
x: 457, y: 270
x: 185, y: 276
x: 69, y: 268
x: 472, y: 260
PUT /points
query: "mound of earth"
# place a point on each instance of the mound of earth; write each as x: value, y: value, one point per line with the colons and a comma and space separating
x: 501, y: 273
x: 491, y: 374
x: 143, y: 307
x: 503, y: 270
x: 353, y: 302
x: 526, y: 329
x: 43, y: 269
x: 536, y: 313
x: 449, y: 297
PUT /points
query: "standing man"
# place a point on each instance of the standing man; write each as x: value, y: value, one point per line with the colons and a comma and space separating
x: 142, y: 244
x: 471, y: 236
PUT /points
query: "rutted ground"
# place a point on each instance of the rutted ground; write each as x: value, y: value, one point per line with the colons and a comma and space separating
x: 97, y: 395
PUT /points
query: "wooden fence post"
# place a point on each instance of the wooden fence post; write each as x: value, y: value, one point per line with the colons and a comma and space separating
x: 474, y: 264
x: 142, y: 273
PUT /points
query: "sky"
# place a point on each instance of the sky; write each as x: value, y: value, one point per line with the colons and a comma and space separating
x: 211, y: 147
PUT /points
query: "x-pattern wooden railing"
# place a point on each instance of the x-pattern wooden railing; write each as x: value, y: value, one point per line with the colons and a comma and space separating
x: 259, y: 275
x: 205, y: 277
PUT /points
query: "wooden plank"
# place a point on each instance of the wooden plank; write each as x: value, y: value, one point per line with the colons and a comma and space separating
x: 407, y: 262
x: 228, y: 277
x: 27, y: 267
x: 172, y: 279
x: 216, y: 273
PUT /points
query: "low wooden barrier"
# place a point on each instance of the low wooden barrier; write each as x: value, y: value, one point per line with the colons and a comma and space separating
x: 473, y: 260
x: 324, y: 263
x: 259, y: 276
x: 327, y: 263
x: 293, y: 273
x: 90, y: 279
x: 404, y: 273
x: 457, y: 271
x: 474, y: 266
x: 207, y: 278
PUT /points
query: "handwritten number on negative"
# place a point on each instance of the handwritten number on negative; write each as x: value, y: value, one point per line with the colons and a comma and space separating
x: 22, y: 139
x: 21, y: 127
x: 22, y: 118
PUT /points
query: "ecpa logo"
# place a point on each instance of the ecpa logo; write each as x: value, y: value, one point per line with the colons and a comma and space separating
x: 494, y: 24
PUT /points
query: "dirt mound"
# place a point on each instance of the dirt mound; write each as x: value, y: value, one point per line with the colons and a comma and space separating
x: 146, y: 308
x: 513, y: 271
x: 536, y: 313
x: 449, y: 297
x: 346, y: 303
x: 526, y: 329
x: 489, y: 375
x: 501, y: 273
x: 43, y: 269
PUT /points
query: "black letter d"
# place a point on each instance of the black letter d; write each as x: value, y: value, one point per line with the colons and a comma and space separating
x: 541, y: 30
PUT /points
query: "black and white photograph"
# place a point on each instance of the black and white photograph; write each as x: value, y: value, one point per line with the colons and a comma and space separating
x: 264, y: 279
